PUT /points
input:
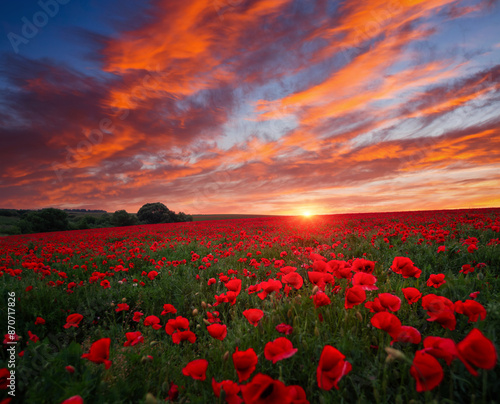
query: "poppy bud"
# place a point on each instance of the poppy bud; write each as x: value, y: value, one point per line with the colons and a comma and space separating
x: 150, y: 399
x: 226, y: 356
x: 195, y: 312
x: 204, y: 305
x: 316, y: 331
x: 393, y: 354
x: 315, y: 290
x: 480, y: 276
x: 112, y: 304
x: 206, y: 321
x: 124, y: 300
x: 147, y: 358
x: 70, y: 369
x: 290, y: 313
x: 198, y: 326
x: 359, y: 316
x: 153, y: 343
x: 209, y: 305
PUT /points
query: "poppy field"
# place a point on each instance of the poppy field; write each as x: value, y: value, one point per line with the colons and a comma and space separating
x: 359, y: 308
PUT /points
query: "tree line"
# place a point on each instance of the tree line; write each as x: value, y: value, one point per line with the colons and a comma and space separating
x: 52, y: 219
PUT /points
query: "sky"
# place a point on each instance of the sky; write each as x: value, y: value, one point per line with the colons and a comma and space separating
x: 250, y: 106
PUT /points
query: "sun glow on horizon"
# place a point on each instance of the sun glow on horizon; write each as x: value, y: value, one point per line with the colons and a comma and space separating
x: 306, y: 213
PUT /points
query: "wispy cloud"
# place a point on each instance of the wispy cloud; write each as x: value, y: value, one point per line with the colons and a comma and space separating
x: 264, y: 107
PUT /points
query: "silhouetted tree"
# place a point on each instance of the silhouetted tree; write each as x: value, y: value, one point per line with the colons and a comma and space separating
x: 152, y: 213
x: 122, y: 218
x: 182, y: 217
x: 40, y: 221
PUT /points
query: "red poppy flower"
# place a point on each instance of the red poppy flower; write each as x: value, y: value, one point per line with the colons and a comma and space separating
x: 441, y: 248
x: 152, y: 321
x: 122, y: 307
x: 473, y: 295
x: 287, y: 269
x: 407, y: 334
x: 137, y: 316
x: 294, y: 279
x: 244, y: 362
x: 152, y: 275
x: 173, y: 392
x: 320, y: 266
x: 446, y: 318
x: 426, y: 370
x: 405, y: 267
x: 387, y: 322
x: 436, y: 280
x: 297, y: 394
x: 331, y: 368
x: 467, y: 269
x: 363, y: 265
x: 412, y: 295
x: 375, y: 306
x: 39, y: 320
x: 471, y: 248
x: 253, y: 316
x: 343, y: 272
x: 10, y: 338
x: 73, y: 320
x: 213, y: 317
x: 231, y: 390
x: 320, y: 279
x: 4, y: 375
x: 234, y: 285
x: 267, y: 287
x: 264, y: 389
x: 384, y: 302
x: 217, y: 331
x: 133, y: 338
x: 441, y: 310
x: 176, y: 324
x: 321, y: 299
x: 475, y: 350
x: 284, y: 329
x: 279, y: 349
x: 105, y: 284
x: 471, y: 309
x: 73, y: 400
x: 179, y: 336
x: 99, y: 352
x: 33, y: 337
x: 443, y: 348
x: 211, y: 281
x: 354, y: 296
x: 168, y: 308
x: 196, y: 369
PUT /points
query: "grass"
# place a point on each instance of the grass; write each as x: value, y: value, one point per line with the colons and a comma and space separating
x: 41, y: 376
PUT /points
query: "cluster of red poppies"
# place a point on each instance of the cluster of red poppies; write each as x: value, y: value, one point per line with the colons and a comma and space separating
x: 320, y: 270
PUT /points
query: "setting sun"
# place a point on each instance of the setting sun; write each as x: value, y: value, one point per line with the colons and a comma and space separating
x: 306, y: 214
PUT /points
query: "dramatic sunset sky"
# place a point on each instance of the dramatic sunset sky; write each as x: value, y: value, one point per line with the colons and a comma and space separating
x: 250, y: 106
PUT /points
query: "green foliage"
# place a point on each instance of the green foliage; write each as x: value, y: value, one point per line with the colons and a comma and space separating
x: 153, y: 213
x: 45, y: 220
x: 122, y: 218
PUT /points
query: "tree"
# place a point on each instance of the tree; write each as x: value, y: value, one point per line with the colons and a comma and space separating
x: 152, y: 213
x: 49, y: 219
x: 122, y: 218
x: 182, y: 217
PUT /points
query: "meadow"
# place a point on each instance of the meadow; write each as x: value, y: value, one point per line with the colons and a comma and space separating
x: 363, y: 308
